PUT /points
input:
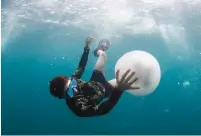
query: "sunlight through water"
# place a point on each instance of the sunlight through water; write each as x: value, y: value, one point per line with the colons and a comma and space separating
x: 109, y: 19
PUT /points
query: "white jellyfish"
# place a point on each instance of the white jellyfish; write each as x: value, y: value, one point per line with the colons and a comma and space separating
x: 146, y: 68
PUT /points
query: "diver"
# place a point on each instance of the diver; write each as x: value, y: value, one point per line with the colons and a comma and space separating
x: 97, y: 96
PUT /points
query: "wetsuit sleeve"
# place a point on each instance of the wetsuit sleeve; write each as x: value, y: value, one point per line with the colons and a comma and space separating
x: 106, y: 106
x: 82, y: 64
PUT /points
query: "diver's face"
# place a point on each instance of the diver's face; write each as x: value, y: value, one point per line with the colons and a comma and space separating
x: 67, y: 84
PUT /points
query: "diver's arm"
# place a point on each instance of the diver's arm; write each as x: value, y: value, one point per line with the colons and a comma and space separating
x: 82, y: 64
x: 123, y: 84
x: 106, y: 106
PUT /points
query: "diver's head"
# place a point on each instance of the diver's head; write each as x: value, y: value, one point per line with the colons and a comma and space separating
x: 58, y: 86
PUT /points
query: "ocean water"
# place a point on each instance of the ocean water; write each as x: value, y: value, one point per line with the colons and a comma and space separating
x: 43, y: 39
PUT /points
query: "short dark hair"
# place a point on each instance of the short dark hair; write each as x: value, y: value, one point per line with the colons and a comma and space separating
x: 57, y: 85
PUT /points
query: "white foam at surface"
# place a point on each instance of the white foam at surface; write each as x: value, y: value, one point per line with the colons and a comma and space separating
x: 111, y: 18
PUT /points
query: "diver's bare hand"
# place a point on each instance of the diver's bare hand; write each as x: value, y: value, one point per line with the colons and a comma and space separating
x: 89, y: 40
x: 125, y: 82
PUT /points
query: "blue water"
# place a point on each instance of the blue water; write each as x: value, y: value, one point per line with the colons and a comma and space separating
x: 28, y: 63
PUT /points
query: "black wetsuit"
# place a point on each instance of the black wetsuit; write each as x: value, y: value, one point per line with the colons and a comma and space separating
x: 80, y: 105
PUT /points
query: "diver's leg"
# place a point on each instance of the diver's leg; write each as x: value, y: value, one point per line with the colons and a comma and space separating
x: 113, y: 82
x: 99, y: 52
x: 100, y: 64
x: 98, y: 73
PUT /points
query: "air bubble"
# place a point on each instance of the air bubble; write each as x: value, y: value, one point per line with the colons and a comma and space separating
x: 186, y: 83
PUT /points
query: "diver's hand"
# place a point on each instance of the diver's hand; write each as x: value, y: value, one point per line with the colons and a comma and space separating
x: 89, y: 40
x: 125, y: 82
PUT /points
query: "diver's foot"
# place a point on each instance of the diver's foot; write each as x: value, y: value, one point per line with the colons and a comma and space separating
x: 103, y: 45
